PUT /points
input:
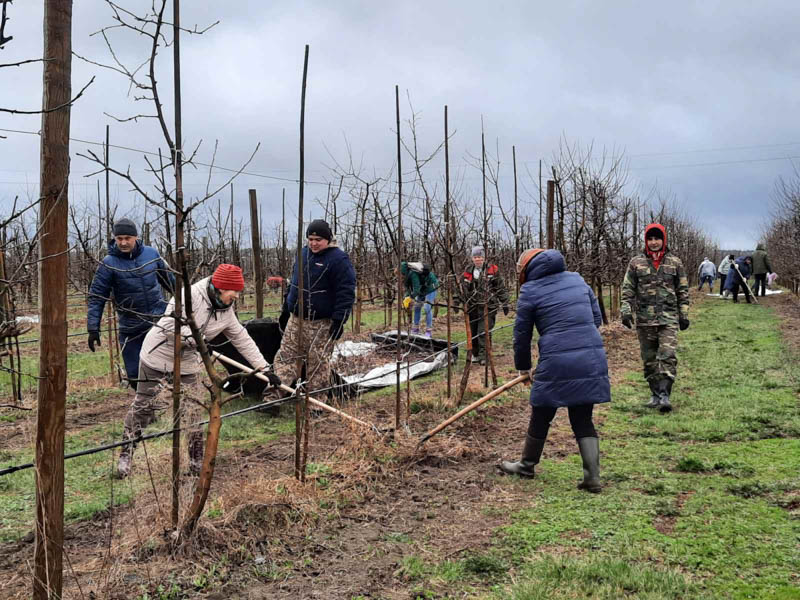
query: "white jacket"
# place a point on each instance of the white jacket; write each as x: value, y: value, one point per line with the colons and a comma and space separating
x: 725, y: 266
x: 159, y: 343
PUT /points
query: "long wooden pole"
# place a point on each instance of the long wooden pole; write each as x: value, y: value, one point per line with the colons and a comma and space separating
x: 177, y: 160
x: 255, y: 236
x: 447, y: 230
x: 399, y: 256
x: 53, y: 264
x: 473, y: 406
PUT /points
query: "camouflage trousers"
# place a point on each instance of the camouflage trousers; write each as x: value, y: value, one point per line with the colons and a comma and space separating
x: 153, y: 396
x: 316, y: 343
x: 658, y: 344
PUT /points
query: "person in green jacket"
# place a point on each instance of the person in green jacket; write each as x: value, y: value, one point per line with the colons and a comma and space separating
x: 761, y: 268
x: 421, y: 285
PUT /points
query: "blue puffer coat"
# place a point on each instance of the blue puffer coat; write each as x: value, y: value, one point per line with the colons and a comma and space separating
x: 135, y: 278
x: 733, y: 276
x: 572, y: 368
x: 332, y: 280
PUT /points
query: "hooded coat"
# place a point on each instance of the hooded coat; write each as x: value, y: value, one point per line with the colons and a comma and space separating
x: 725, y: 266
x: 707, y: 269
x: 331, y: 278
x: 660, y: 295
x: 417, y: 285
x: 761, y: 264
x: 572, y: 368
x: 135, y: 279
x: 733, y: 276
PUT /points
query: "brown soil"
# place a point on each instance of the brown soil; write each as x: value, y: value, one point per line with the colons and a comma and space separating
x: 343, y: 534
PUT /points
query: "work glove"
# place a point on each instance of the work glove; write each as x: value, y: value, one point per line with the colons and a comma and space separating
x: 683, y: 323
x: 274, y: 380
x: 283, y: 320
x: 336, y: 329
x: 505, y: 309
x: 406, y: 302
x: 94, y: 338
x: 627, y: 321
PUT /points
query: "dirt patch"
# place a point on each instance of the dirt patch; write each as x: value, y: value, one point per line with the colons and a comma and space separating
x: 665, y: 523
x: 787, y: 307
x: 369, y: 506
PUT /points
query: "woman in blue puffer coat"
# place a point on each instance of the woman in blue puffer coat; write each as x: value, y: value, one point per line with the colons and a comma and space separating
x: 572, y: 370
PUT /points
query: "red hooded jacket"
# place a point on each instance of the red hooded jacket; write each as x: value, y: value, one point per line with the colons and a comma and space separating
x: 655, y: 256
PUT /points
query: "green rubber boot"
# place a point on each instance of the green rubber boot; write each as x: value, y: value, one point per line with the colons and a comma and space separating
x: 590, y: 454
x: 531, y: 454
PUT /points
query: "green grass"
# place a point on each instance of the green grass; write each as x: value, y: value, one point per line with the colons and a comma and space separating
x: 696, y: 504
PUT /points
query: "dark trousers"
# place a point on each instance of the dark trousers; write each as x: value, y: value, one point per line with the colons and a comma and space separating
x: 709, y: 280
x: 580, y: 418
x: 477, y: 324
x: 761, y: 279
x: 131, y: 344
x: 735, y: 292
x: 722, y: 282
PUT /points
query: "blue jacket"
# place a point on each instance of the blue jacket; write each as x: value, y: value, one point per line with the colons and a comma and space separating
x: 572, y: 368
x: 332, y: 280
x: 135, y: 278
x: 733, y: 276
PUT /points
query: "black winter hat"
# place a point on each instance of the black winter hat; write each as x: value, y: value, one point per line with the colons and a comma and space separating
x: 125, y: 227
x: 320, y: 228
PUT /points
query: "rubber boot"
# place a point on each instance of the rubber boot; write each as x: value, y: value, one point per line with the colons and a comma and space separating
x: 655, y: 398
x: 125, y: 458
x: 196, y: 449
x: 531, y: 454
x: 590, y: 454
x: 665, y: 389
x: 429, y: 333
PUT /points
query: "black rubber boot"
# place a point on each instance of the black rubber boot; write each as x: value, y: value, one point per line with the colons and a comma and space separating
x: 531, y: 454
x: 665, y: 389
x: 590, y: 454
x: 655, y: 398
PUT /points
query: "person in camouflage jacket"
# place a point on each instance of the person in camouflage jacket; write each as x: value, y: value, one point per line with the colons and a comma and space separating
x: 657, y: 290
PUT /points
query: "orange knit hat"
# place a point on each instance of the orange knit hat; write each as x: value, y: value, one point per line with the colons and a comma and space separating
x: 228, y: 277
x: 524, y: 259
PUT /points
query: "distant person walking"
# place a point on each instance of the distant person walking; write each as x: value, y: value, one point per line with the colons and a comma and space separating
x: 738, y: 276
x: 724, y: 267
x: 761, y: 268
x: 707, y: 273
x: 656, y: 284
x: 133, y: 274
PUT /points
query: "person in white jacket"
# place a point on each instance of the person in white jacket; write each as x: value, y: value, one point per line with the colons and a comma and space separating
x: 212, y: 308
x: 722, y: 272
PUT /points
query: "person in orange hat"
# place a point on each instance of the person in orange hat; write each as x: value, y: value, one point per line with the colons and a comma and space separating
x: 212, y: 308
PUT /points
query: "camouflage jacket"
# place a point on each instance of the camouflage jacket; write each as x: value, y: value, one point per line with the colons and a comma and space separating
x: 659, y: 297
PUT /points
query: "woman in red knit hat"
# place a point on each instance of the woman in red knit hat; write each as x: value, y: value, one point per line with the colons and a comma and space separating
x: 212, y: 306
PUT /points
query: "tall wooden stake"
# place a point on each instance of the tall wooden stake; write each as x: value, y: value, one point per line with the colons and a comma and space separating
x: 399, y: 255
x: 179, y: 258
x: 256, y: 243
x: 53, y: 263
x: 551, y: 198
x: 301, y: 407
x: 449, y: 254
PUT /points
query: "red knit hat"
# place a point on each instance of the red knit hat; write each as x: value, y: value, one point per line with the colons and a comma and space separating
x: 228, y: 277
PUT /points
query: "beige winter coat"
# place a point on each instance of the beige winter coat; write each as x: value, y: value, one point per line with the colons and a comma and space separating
x: 159, y: 343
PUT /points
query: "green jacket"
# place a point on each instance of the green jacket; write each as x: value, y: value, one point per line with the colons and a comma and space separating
x: 418, y: 286
x: 660, y: 297
x: 761, y: 261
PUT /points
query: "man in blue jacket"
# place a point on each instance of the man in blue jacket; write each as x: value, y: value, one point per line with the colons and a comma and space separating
x: 738, y: 276
x: 329, y: 290
x: 134, y: 274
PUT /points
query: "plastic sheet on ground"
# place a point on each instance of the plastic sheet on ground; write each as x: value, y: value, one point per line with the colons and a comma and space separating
x: 741, y: 293
x: 434, y: 350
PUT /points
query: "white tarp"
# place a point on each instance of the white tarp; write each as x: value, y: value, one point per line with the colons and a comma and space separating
x: 741, y: 293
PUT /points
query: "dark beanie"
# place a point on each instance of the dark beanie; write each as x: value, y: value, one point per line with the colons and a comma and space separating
x: 125, y: 227
x: 320, y: 228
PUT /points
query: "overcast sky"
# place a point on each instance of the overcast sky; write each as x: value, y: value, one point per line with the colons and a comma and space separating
x: 701, y: 96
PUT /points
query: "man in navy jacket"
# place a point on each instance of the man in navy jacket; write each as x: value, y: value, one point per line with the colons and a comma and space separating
x: 134, y: 274
x: 329, y: 290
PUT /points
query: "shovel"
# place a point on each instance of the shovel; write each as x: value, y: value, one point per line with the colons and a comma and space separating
x: 471, y: 407
x: 744, y: 281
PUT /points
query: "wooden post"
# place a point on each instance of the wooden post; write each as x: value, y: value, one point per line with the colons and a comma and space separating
x: 256, y: 241
x: 301, y: 406
x: 449, y: 255
x: 517, y: 250
x: 551, y: 193
x: 399, y: 255
x: 53, y: 264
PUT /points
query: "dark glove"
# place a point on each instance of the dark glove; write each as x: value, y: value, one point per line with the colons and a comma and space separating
x: 336, y: 329
x: 627, y: 321
x: 94, y: 338
x: 283, y: 319
x: 274, y: 380
x: 683, y: 323
x: 455, y: 309
x: 505, y: 309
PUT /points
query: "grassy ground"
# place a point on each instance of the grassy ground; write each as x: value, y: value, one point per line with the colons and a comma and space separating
x: 701, y: 503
